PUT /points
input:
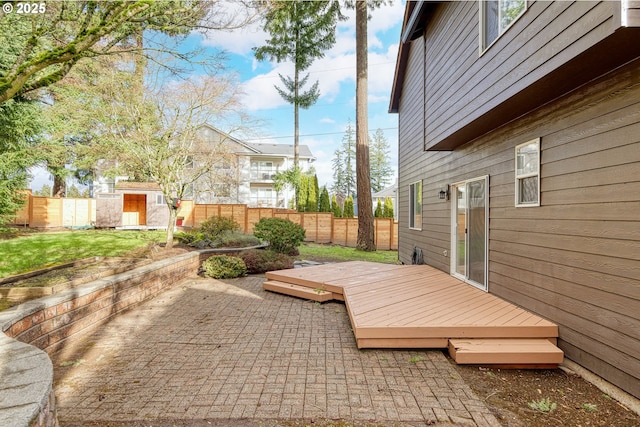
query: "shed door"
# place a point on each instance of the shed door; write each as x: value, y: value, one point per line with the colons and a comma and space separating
x: 134, y: 210
x: 469, y: 231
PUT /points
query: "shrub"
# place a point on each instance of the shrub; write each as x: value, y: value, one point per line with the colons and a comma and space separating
x: 387, y: 210
x: 378, y: 211
x: 348, y: 208
x: 214, y: 226
x: 284, y: 236
x: 325, y: 203
x: 189, y: 237
x: 224, y: 267
x: 260, y: 261
x: 335, y: 207
x: 232, y: 239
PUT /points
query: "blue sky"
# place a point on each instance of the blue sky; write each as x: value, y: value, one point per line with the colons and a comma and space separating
x: 322, y: 126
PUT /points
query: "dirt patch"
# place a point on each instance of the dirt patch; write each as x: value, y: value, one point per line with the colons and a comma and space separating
x: 539, y: 397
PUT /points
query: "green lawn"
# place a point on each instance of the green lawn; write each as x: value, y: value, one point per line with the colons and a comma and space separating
x: 320, y: 252
x: 41, y: 250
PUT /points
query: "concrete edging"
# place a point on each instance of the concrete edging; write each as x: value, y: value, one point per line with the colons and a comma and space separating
x: 37, y: 328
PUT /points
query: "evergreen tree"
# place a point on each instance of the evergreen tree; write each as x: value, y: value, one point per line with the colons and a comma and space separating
x: 344, y: 161
x: 301, y: 31
x: 44, y: 191
x: 303, y: 193
x: 19, y: 128
x: 41, y: 50
x: 388, y: 208
x: 380, y: 167
x: 335, y: 207
x: 348, y: 208
x: 378, y: 213
x: 312, y: 197
x: 316, y: 188
x: 324, y: 204
x: 366, y: 238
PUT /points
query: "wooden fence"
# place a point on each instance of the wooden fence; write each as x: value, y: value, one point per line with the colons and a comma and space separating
x: 54, y: 212
x: 320, y: 227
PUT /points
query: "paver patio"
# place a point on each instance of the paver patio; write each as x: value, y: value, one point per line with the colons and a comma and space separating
x: 228, y: 350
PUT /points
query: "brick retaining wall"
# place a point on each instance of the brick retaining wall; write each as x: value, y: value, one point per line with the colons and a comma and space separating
x: 40, y: 327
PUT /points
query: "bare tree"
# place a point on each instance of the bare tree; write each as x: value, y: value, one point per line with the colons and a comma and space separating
x: 162, y: 139
x: 152, y: 131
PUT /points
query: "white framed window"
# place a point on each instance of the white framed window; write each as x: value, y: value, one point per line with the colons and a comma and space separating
x: 496, y: 16
x: 415, y: 205
x: 160, y: 199
x: 528, y: 174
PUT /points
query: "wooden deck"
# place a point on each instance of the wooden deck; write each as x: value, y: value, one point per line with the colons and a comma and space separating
x: 418, y: 306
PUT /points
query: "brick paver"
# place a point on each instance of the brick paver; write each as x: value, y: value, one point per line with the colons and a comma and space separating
x: 228, y: 350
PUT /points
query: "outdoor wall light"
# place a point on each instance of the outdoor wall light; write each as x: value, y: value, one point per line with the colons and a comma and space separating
x: 444, y: 193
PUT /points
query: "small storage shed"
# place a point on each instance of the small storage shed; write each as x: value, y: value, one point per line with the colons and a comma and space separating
x: 132, y: 205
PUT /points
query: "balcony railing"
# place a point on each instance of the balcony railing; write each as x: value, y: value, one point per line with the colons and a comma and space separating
x: 263, y: 175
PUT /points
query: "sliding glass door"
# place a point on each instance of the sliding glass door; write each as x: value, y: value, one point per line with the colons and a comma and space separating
x: 469, y: 232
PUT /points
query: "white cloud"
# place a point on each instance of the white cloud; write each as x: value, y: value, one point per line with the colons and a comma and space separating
x: 322, y: 150
x: 387, y: 17
x: 239, y: 41
x: 327, y: 120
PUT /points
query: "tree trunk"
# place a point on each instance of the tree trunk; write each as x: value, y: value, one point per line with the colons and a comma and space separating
x: 173, y: 213
x: 366, y: 240
x: 296, y: 121
x: 59, y: 187
x: 296, y: 135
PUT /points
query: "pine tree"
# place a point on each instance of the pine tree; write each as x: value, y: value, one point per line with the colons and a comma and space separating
x: 325, y: 204
x: 301, y: 31
x: 335, y: 207
x: 380, y: 167
x: 344, y: 161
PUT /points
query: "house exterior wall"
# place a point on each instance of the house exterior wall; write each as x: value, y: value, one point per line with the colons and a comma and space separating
x: 526, y: 66
x: 575, y: 259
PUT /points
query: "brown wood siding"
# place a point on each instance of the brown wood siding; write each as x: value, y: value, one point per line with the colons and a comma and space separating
x: 411, y: 131
x: 575, y: 259
x: 544, y: 38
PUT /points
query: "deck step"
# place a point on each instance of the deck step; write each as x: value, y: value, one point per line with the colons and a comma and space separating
x: 505, y: 351
x: 298, y: 291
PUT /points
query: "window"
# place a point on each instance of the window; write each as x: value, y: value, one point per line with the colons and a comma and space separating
x: 496, y: 16
x: 160, y: 199
x: 263, y: 197
x: 528, y: 173
x: 415, y: 205
x: 262, y: 171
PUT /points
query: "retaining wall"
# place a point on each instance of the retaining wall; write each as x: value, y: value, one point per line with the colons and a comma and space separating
x: 37, y: 328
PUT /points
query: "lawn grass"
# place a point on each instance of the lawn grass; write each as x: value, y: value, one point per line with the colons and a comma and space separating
x: 335, y: 253
x: 41, y: 250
